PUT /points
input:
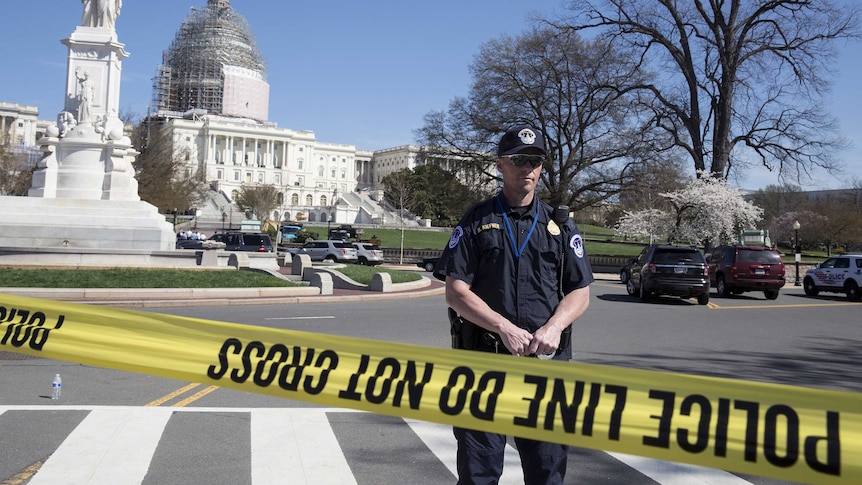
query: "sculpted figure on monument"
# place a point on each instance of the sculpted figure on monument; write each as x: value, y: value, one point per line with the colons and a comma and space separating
x: 65, y: 122
x: 101, y: 13
x: 86, y: 93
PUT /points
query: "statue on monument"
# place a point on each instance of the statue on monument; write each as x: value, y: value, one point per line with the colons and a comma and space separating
x: 86, y: 94
x: 101, y: 13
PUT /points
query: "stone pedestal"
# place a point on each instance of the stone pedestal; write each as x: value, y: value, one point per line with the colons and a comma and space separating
x: 84, y: 193
x: 34, y: 222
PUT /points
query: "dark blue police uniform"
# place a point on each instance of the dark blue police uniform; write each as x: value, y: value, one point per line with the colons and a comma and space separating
x: 511, y: 258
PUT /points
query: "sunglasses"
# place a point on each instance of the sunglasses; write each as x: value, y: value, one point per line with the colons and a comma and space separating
x: 521, y: 160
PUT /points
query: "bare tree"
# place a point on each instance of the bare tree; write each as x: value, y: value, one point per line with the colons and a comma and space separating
x: 16, y: 173
x: 259, y: 200
x: 165, y: 177
x: 570, y: 88
x: 775, y: 200
x: 401, y: 194
x: 841, y: 220
x: 738, y: 80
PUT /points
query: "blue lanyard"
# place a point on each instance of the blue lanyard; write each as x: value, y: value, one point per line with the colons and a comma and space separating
x: 518, y: 251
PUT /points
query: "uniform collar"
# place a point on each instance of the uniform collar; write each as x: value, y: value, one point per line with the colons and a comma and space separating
x: 531, y: 211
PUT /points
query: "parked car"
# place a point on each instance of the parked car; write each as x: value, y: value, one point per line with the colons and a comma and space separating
x: 256, y: 242
x: 368, y: 254
x: 626, y: 270
x: 427, y: 264
x: 735, y: 269
x: 838, y: 274
x: 669, y: 270
x: 328, y: 250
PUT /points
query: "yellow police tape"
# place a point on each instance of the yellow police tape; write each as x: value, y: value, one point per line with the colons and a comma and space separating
x: 784, y: 432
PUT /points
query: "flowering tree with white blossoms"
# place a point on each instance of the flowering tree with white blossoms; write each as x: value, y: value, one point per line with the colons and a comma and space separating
x: 648, y: 223
x: 705, y: 211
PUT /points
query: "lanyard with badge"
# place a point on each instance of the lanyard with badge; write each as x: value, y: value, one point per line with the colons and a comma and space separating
x: 515, y: 249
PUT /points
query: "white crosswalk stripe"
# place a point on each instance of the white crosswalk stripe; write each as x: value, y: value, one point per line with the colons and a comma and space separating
x: 113, y: 445
x: 116, y: 446
x: 288, y: 443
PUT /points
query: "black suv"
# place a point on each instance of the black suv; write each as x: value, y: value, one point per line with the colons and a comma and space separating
x: 669, y: 270
x: 245, y: 241
x: 736, y: 269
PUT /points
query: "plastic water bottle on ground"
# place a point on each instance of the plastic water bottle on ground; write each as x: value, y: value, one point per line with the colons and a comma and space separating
x: 56, y: 387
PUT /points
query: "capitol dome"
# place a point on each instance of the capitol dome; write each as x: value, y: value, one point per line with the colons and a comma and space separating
x: 213, y: 65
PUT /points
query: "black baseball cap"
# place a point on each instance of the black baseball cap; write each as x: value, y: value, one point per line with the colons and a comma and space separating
x: 522, y: 139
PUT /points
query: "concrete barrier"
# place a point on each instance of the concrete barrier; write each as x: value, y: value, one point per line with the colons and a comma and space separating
x: 322, y: 280
x: 238, y: 260
x: 299, y: 263
x: 381, y: 282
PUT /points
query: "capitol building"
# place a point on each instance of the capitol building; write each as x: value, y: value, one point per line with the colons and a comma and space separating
x: 210, y: 104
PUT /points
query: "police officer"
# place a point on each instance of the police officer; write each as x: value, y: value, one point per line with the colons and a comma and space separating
x: 518, y: 279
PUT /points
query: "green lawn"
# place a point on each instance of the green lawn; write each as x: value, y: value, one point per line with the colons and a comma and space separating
x: 135, y: 278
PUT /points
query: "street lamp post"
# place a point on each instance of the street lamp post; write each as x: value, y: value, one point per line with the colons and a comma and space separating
x: 796, y: 227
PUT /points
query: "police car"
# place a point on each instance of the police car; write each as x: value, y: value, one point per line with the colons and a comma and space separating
x: 838, y: 274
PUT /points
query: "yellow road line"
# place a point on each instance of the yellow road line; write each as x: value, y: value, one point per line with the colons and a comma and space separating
x: 26, y: 474
x: 195, y: 396
x: 794, y: 305
x: 172, y: 395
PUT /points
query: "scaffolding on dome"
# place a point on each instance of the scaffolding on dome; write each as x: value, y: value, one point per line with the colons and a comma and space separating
x: 213, y: 64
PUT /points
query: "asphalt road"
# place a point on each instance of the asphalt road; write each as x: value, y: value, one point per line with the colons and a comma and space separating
x: 211, y: 435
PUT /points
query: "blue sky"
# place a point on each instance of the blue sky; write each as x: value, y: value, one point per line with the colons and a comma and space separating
x: 359, y: 72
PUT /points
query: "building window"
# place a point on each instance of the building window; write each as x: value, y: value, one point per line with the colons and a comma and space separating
x: 260, y: 178
x: 344, y: 174
x: 333, y: 173
x: 320, y: 171
x: 309, y: 200
x: 217, y: 157
x: 248, y: 177
x: 322, y: 201
x: 299, y: 164
x: 236, y: 175
x: 294, y: 200
x: 218, y: 174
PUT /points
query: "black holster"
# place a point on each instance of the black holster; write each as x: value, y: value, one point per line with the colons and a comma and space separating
x: 465, y: 335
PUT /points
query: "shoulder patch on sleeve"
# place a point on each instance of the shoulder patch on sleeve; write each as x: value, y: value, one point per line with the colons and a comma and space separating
x: 576, y: 242
x: 457, y: 234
